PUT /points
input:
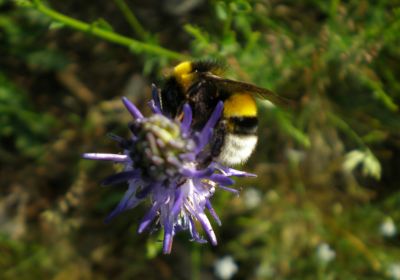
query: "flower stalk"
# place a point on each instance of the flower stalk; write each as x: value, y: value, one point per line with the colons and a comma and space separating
x: 108, y: 35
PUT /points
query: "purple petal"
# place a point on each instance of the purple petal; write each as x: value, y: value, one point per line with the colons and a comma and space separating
x: 154, y: 108
x: 215, y: 116
x: 205, y: 223
x: 194, y: 173
x: 133, y: 202
x: 178, y: 228
x: 122, y: 206
x: 113, y: 214
x: 149, y: 217
x: 187, y: 119
x: 222, y: 179
x: 187, y: 156
x: 234, y: 172
x: 238, y: 173
x: 136, y: 114
x: 121, y: 177
x: 156, y: 98
x: 145, y: 191
x: 194, y: 233
x: 229, y: 189
x: 203, y: 139
x: 106, y: 157
x: 122, y: 143
x: 168, y: 237
x: 116, y: 138
x: 212, y: 212
x: 177, y: 204
x: 155, y: 103
x: 206, y: 132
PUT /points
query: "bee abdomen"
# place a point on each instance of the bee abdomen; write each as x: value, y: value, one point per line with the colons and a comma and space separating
x: 234, y: 140
x: 243, y: 125
x: 237, y: 148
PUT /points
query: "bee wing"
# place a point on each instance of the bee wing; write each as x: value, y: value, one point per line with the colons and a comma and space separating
x: 237, y: 86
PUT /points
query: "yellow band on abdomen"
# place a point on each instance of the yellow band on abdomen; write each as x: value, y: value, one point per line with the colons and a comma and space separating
x: 240, y: 105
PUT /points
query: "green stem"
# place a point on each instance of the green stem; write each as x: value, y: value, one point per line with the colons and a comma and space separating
x: 196, y: 262
x: 131, y: 19
x: 341, y: 124
x: 227, y: 24
x: 133, y: 45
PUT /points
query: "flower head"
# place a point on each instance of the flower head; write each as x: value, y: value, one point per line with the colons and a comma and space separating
x: 164, y: 162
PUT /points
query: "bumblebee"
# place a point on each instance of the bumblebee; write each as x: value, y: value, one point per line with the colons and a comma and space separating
x: 201, y: 86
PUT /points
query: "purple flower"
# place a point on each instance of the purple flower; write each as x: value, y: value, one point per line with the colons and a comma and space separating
x: 163, y: 163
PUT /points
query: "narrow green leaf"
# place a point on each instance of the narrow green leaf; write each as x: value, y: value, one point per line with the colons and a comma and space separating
x: 56, y: 25
x: 103, y: 24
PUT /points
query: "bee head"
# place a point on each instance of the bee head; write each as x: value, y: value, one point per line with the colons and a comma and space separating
x: 187, y: 72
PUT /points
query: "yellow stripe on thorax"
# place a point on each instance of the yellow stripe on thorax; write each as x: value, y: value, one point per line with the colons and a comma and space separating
x: 183, y: 74
x: 240, y: 105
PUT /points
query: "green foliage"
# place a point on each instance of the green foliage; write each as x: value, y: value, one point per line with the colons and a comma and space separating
x: 328, y: 181
x: 19, y: 124
x: 23, y: 130
x: 20, y: 259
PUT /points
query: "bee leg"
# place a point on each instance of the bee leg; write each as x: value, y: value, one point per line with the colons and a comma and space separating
x: 218, y: 138
x: 214, y: 148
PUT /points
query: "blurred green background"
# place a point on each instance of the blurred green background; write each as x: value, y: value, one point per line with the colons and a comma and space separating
x: 326, y: 201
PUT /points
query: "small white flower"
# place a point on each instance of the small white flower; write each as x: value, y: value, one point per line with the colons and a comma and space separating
x: 252, y: 198
x: 325, y: 253
x: 388, y: 228
x: 370, y: 164
x: 394, y: 271
x: 225, y: 267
